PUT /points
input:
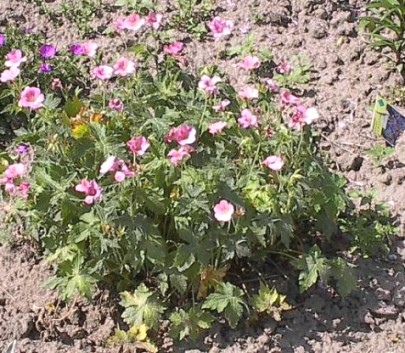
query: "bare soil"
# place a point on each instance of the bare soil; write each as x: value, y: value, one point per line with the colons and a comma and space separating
x: 346, y: 77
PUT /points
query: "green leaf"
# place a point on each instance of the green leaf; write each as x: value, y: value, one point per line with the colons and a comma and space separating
x: 141, y: 307
x: 228, y: 300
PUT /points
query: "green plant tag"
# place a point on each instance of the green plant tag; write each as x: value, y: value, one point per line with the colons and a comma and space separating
x: 379, y: 116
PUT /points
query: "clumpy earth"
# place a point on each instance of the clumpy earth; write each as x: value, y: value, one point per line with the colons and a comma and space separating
x: 346, y: 76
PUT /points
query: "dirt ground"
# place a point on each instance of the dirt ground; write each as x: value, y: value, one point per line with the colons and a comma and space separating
x: 346, y: 77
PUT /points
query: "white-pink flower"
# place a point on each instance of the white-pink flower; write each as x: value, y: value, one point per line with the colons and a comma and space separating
x: 15, y: 58
x: 223, y: 211
x: 177, y: 156
x: 185, y: 135
x: 217, y: 128
x: 124, y: 67
x: 208, y: 84
x: 89, y: 49
x: 303, y: 116
x: 31, y: 97
x: 102, y: 72
x: 221, y: 106
x: 250, y: 63
x: 134, y: 22
x: 247, y: 119
x: 154, y: 20
x: 175, y: 48
x: 220, y: 28
x: 310, y: 115
x: 91, y: 189
x: 275, y: 163
x: 10, y: 74
x: 138, y: 146
x: 14, y: 171
x: 248, y: 93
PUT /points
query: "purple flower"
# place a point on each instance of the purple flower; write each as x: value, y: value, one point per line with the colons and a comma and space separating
x: 2, y: 39
x: 22, y: 148
x: 76, y: 49
x: 47, y: 51
x: 45, y: 68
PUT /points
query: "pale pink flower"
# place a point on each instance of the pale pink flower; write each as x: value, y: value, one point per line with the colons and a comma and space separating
x: 31, y: 97
x: 138, y: 146
x: 272, y: 86
x: 14, y: 171
x: 116, y: 104
x: 91, y: 189
x: 220, y: 28
x: 208, y: 84
x: 284, y: 67
x: 310, y: 115
x: 185, y: 135
x: 102, y: 72
x: 89, y: 49
x: 123, y: 173
x: 134, y: 22
x: 221, y: 106
x: 248, y: 93
x: 303, y: 116
x: 275, y: 163
x: 124, y: 67
x: 119, y: 24
x: 154, y: 20
x: 247, y: 119
x: 223, y: 211
x: 111, y: 164
x: 175, y: 48
x: 250, y: 63
x: 287, y: 98
x: 217, y: 128
x: 10, y: 74
x: 177, y: 156
x: 10, y: 188
x: 15, y: 58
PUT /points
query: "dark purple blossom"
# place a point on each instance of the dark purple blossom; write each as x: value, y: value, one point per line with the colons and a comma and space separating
x: 22, y: 148
x: 2, y: 39
x: 45, y: 68
x: 76, y: 49
x: 47, y: 51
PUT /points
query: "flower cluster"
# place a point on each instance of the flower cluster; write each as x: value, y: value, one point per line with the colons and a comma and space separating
x: 12, y: 180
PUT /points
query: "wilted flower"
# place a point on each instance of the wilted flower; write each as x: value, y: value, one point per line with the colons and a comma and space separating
x: 47, y: 51
x: 10, y: 74
x: 248, y: 93
x: 175, y: 48
x: 102, y: 72
x: 217, y: 128
x: 56, y: 84
x: 31, y: 97
x: 284, y: 67
x: 116, y: 104
x: 289, y: 98
x: 250, y: 63
x: 15, y: 58
x: 223, y: 211
x: 272, y: 86
x: 138, y: 146
x: 91, y: 189
x: 221, y: 106
x: 275, y: 163
x: 220, y: 28
x: 124, y: 67
x: 154, y: 20
x: 247, y: 119
x: 208, y: 84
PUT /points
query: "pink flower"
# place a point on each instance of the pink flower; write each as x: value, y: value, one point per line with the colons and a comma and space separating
x: 288, y: 98
x: 23, y: 189
x: 14, y: 171
x: 272, y: 86
x: 31, y: 97
x: 221, y: 106
x: 220, y: 28
x: 124, y: 67
x: 134, y: 22
x: 102, y: 72
x: 119, y: 24
x: 10, y: 74
x: 223, y: 211
x: 208, y: 84
x: 10, y: 188
x: 116, y: 104
x: 249, y: 92
x: 303, y: 116
x: 284, y: 67
x: 15, y: 58
x: 185, y: 135
x: 111, y: 164
x: 175, y: 48
x: 118, y: 167
x: 154, y: 20
x: 310, y: 115
x: 247, y: 119
x: 177, y: 156
x: 138, y: 146
x: 250, y: 63
x: 89, y: 49
x: 216, y: 128
x: 91, y: 189
x: 275, y: 163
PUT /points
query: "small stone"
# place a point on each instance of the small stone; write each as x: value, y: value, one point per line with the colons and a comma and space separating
x: 383, y: 294
x: 399, y: 297
x: 319, y: 32
x: 263, y: 339
x: 385, y: 178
